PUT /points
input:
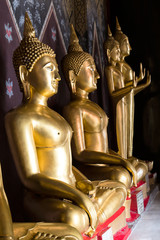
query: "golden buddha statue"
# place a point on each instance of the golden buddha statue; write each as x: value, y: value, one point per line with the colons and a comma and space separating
x: 40, y: 143
x: 129, y: 80
x: 6, y: 230
x: 28, y: 231
x: 89, y: 122
x: 119, y: 90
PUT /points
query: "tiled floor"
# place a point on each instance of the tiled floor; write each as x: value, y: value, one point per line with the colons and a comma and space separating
x: 148, y: 227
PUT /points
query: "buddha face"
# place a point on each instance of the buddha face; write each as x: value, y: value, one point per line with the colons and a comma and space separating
x: 115, y: 53
x: 125, y: 47
x: 87, y: 77
x: 44, y: 76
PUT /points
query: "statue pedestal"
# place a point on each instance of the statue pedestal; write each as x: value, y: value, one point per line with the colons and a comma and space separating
x: 152, y: 178
x: 137, y: 203
x: 114, y: 228
x: 136, y: 198
x: 142, y: 185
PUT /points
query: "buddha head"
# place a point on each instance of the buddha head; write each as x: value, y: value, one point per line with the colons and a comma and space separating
x: 78, y: 67
x: 123, y: 40
x: 112, y: 48
x: 35, y: 64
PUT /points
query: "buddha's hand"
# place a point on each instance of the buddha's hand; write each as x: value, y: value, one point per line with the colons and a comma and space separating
x: 85, y: 203
x: 50, y: 236
x: 148, y: 79
x: 134, y: 80
x: 131, y: 169
x: 86, y: 186
x: 142, y: 73
x: 6, y: 238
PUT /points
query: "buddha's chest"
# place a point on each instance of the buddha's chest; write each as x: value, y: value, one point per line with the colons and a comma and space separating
x: 127, y: 72
x: 94, y: 118
x: 118, y: 80
x: 50, y: 130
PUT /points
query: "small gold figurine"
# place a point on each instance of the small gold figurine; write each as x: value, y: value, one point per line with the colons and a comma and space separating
x: 88, y: 121
x: 119, y: 91
x: 40, y: 142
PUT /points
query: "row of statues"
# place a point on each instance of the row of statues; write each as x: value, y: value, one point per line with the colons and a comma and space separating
x: 42, y: 141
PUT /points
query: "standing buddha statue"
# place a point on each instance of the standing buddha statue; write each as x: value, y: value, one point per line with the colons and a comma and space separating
x: 119, y: 91
x: 129, y: 79
x: 89, y: 122
x: 40, y: 139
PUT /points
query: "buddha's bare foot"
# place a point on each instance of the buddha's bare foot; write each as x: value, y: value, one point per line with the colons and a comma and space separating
x: 90, y: 232
x: 45, y: 236
x: 133, y: 160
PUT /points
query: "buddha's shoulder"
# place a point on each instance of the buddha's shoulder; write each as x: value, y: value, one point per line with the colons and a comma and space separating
x: 16, y: 115
x: 111, y: 68
x: 76, y: 105
x: 125, y: 65
x: 112, y: 71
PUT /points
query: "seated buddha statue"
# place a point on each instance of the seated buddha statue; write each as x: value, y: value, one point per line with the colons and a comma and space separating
x: 89, y: 122
x: 40, y: 141
x: 119, y: 91
x: 10, y: 231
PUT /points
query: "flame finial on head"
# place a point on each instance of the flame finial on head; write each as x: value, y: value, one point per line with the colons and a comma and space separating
x: 74, y: 41
x: 109, y: 31
x: 28, y: 28
x: 119, y: 35
x: 73, y: 35
x: 118, y: 27
x: 110, y: 42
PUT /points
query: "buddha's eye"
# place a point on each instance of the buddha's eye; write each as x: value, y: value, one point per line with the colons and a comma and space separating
x: 91, y: 68
x: 49, y: 68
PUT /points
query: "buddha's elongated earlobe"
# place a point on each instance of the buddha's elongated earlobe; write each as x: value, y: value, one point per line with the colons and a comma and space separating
x: 23, y: 73
x: 108, y: 55
x: 72, y: 79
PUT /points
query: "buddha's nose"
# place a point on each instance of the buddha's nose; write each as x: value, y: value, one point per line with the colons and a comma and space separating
x: 97, y: 76
x: 57, y: 76
x: 130, y: 47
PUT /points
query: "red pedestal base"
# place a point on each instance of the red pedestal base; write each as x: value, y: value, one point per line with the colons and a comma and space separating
x: 123, y: 234
x: 101, y: 229
x: 133, y: 212
x: 146, y: 200
x: 133, y: 217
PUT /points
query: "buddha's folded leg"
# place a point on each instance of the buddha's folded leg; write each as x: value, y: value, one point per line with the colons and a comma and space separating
x: 5, y: 216
x: 103, y: 172
x: 142, y: 170
x: 110, y: 196
x: 40, y: 208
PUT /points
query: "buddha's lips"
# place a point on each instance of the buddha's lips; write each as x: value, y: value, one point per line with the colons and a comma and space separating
x: 95, y: 83
x: 55, y: 84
